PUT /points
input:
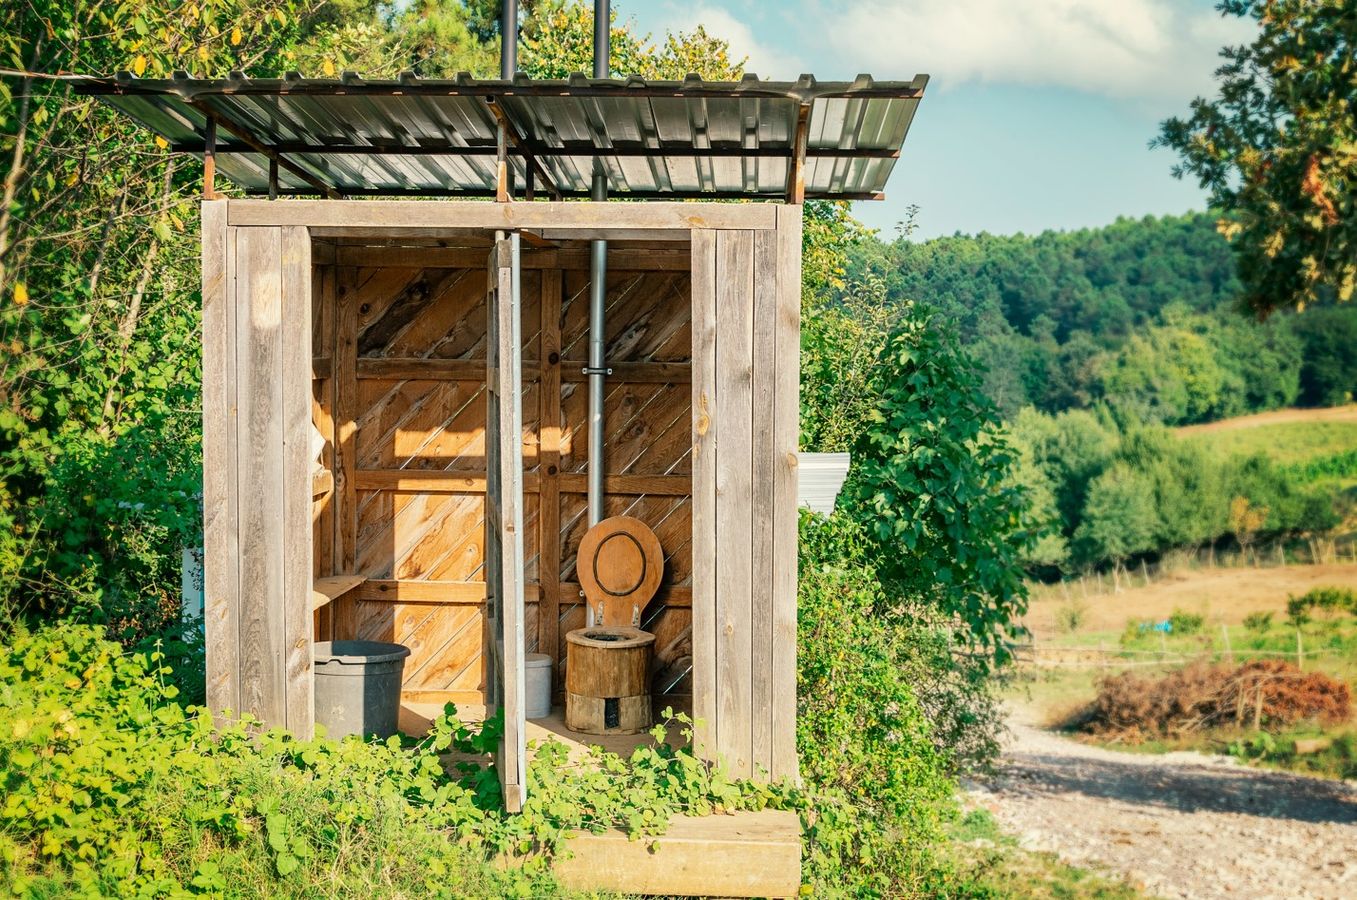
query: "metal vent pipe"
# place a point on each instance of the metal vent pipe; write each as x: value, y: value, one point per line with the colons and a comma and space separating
x: 508, y: 40
x: 598, y: 278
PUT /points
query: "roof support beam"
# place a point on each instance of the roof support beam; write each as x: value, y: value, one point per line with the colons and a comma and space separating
x: 796, y: 172
x: 210, y: 160
x: 474, y: 193
x: 520, y: 145
x: 502, y: 192
x: 243, y: 134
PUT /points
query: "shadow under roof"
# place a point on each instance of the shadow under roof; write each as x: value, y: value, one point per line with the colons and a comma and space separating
x: 423, y: 137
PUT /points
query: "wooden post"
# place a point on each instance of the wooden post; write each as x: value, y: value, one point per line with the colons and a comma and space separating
x: 704, y: 434
x: 549, y: 459
x: 734, y: 493
x: 1225, y: 634
x: 1163, y: 646
x: 221, y: 534
x: 1300, y: 652
x: 786, y: 434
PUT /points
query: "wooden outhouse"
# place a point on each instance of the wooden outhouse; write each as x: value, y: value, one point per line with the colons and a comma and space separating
x: 440, y: 349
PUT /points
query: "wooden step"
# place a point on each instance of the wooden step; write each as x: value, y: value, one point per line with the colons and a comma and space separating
x: 745, y: 854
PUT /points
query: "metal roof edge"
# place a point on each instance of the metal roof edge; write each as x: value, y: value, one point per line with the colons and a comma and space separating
x: 805, y: 89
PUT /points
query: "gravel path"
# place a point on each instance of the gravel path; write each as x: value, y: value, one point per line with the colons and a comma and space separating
x: 1180, y: 824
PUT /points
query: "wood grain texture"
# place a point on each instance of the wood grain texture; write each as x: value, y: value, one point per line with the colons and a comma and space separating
x: 221, y: 573
x: 549, y: 460
x: 346, y: 420
x: 419, y: 449
x: 704, y: 454
x: 748, y: 854
x: 260, y: 475
x: 786, y: 434
x: 620, y: 259
x: 294, y: 383
x: 763, y: 512
x: 504, y: 517
x: 383, y: 218
x: 734, y: 489
x: 323, y: 414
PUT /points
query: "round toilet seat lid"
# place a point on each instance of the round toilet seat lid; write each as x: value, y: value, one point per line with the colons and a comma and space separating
x: 620, y: 564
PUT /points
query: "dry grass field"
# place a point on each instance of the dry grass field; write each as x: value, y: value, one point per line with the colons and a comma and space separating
x: 1346, y: 413
x: 1224, y: 596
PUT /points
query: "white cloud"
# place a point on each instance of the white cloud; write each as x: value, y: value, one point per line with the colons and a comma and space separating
x: 1122, y: 48
x: 763, y: 60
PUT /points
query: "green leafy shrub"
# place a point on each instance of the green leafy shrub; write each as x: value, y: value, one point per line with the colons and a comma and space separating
x: 1258, y: 622
x: 1329, y: 600
x: 882, y: 792
x: 1183, y: 622
x: 109, y: 523
x: 113, y: 788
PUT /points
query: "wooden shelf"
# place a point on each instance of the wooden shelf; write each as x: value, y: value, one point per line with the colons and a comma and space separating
x: 322, y: 483
x: 325, y: 590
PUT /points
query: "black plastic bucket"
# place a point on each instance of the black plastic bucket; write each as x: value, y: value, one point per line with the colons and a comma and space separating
x: 358, y: 687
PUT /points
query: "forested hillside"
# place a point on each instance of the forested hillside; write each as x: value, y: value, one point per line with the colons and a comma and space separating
x: 1092, y: 345
x: 1140, y: 315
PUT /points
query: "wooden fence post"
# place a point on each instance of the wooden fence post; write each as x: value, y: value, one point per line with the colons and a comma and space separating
x: 1300, y: 652
x: 1229, y: 653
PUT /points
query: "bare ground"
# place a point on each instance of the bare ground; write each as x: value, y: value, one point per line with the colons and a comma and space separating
x: 1181, y: 824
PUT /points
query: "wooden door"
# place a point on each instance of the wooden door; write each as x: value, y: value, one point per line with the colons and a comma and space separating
x: 504, y: 515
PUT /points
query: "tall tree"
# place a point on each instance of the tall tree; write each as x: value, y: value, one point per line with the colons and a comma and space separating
x: 1277, y: 149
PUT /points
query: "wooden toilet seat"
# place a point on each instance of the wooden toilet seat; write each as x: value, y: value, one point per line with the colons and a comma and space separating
x: 620, y: 564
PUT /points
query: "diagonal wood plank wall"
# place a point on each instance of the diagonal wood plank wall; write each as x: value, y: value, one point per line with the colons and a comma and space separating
x: 410, y: 478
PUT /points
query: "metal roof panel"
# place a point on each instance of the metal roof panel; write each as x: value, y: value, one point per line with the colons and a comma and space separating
x: 439, y: 137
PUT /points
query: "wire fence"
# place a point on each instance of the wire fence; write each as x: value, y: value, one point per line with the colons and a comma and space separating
x: 1105, y: 656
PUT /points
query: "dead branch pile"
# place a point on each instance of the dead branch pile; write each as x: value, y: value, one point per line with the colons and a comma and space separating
x: 1268, y: 694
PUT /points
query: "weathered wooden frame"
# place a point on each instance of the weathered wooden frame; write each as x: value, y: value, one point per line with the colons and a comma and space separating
x: 257, y: 296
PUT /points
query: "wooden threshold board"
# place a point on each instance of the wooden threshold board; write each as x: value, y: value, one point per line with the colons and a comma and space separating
x: 745, y: 854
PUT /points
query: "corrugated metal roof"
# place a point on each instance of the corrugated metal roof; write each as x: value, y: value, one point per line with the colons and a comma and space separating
x: 418, y: 137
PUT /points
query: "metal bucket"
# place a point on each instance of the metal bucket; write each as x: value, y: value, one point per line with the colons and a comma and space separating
x: 358, y: 687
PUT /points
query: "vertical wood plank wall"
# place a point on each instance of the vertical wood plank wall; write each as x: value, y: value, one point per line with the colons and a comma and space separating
x: 746, y: 334
x: 256, y: 454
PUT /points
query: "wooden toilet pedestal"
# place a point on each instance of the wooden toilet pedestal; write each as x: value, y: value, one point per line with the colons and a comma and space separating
x: 607, y: 667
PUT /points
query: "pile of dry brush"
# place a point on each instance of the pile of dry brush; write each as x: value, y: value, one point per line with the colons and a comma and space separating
x: 1269, y: 694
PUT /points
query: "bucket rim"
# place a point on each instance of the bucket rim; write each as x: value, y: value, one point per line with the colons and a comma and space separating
x: 358, y: 653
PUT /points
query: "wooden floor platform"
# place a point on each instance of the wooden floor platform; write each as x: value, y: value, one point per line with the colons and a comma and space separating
x: 415, y: 719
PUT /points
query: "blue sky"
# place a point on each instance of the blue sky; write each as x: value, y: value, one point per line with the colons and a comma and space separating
x: 1038, y: 113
